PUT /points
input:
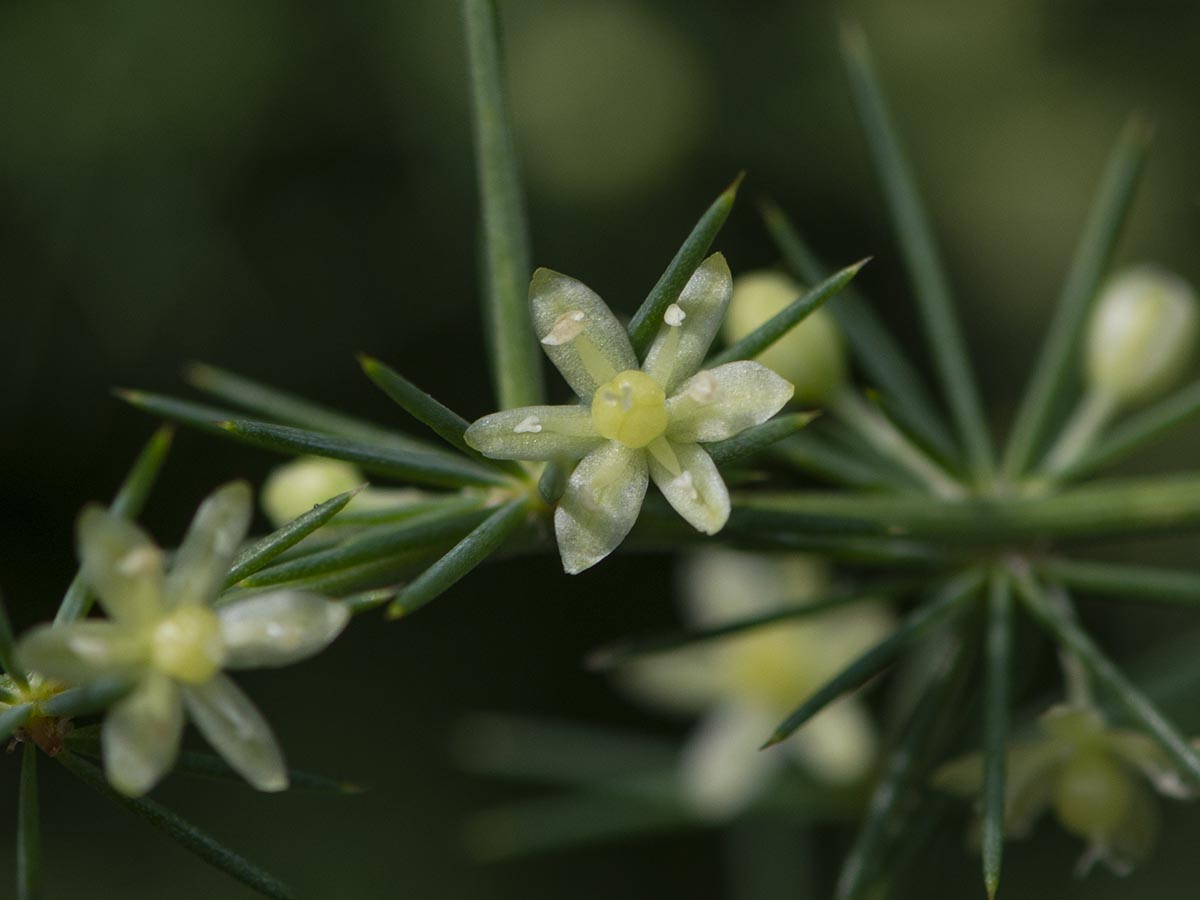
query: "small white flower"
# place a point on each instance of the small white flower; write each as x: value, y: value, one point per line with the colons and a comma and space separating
x: 744, y: 685
x: 636, y: 423
x: 1092, y: 776
x: 164, y: 635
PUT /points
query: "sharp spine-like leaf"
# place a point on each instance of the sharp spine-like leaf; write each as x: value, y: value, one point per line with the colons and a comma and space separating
x: 904, y: 394
x: 995, y: 727
x: 435, y: 469
x: 1055, y: 365
x: 788, y: 318
x: 473, y: 549
x: 259, y: 554
x: 516, y: 362
x: 945, y: 603
x: 646, y: 321
x: 758, y: 438
x: 1124, y: 582
x: 180, y: 830
x: 926, y: 274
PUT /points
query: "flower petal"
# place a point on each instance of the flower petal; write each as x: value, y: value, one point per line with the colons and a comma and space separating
x: 602, y: 501
x: 199, y: 569
x: 723, y: 770
x: 1147, y: 756
x: 140, y: 735
x: 1130, y: 842
x: 278, y: 628
x: 121, y: 564
x: 535, y: 433
x: 78, y: 652
x: 578, y: 331
x: 716, y: 404
x: 682, y: 681
x: 697, y: 491
x: 236, y: 730
x: 839, y: 744
x: 690, y: 325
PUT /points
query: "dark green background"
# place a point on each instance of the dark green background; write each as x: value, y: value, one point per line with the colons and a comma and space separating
x: 272, y: 186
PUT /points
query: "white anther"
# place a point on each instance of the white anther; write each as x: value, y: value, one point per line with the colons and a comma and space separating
x: 684, y: 483
x: 138, y: 561
x: 674, y: 315
x: 528, y: 425
x: 566, y: 328
x: 704, y: 387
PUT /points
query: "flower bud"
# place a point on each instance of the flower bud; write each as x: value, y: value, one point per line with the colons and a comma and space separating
x: 293, y: 489
x: 1141, y: 335
x: 811, y: 355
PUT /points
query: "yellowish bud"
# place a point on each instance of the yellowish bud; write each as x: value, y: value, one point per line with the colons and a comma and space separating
x: 1142, y: 334
x: 811, y: 356
x: 1092, y: 794
x: 295, y: 488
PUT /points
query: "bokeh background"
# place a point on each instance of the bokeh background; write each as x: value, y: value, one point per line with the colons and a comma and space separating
x: 271, y: 186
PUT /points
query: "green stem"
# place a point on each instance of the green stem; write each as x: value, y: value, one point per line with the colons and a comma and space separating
x: 1119, y: 507
x: 885, y: 437
x: 1094, y: 411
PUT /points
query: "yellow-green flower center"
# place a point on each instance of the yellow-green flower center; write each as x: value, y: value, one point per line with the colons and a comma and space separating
x: 1092, y: 795
x: 632, y: 409
x: 187, y: 645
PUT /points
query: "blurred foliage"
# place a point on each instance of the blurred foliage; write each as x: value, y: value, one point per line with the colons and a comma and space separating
x: 271, y: 187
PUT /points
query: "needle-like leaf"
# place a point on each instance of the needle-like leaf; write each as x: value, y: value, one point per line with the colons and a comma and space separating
x: 450, y: 522
x: 925, y: 271
x: 516, y: 362
x: 1132, y: 700
x: 287, y: 409
x: 887, y: 815
x: 621, y: 651
x: 420, y: 467
x: 1117, y: 581
x: 443, y: 421
x: 1056, y: 364
x: 29, y: 829
x: 646, y: 321
x: 903, y: 394
x: 758, y: 438
x: 127, y: 503
x: 259, y: 554
x: 787, y: 318
x: 820, y: 455
x: 473, y: 549
x: 178, y: 829
x: 945, y: 602
x: 90, y: 698
x: 995, y: 726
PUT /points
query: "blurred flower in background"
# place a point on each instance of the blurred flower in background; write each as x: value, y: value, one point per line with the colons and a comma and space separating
x: 742, y: 686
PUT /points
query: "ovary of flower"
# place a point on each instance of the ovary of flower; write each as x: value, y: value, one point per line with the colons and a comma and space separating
x: 635, y: 423
x: 744, y: 685
x: 1093, y: 777
x: 164, y: 636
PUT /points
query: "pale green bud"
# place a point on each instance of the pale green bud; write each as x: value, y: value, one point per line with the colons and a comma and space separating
x: 811, y: 356
x: 1142, y: 334
x: 295, y: 488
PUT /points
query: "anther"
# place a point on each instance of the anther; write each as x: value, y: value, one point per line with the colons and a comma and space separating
x: 528, y: 425
x: 566, y: 328
x: 674, y: 315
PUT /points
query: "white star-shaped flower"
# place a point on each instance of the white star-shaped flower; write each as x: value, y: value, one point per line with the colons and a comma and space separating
x: 164, y: 635
x: 636, y: 422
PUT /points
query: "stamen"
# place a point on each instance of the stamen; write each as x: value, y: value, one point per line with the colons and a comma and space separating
x: 566, y: 328
x: 704, y: 387
x: 138, y: 561
x: 528, y: 425
x: 685, y: 484
x: 674, y: 315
